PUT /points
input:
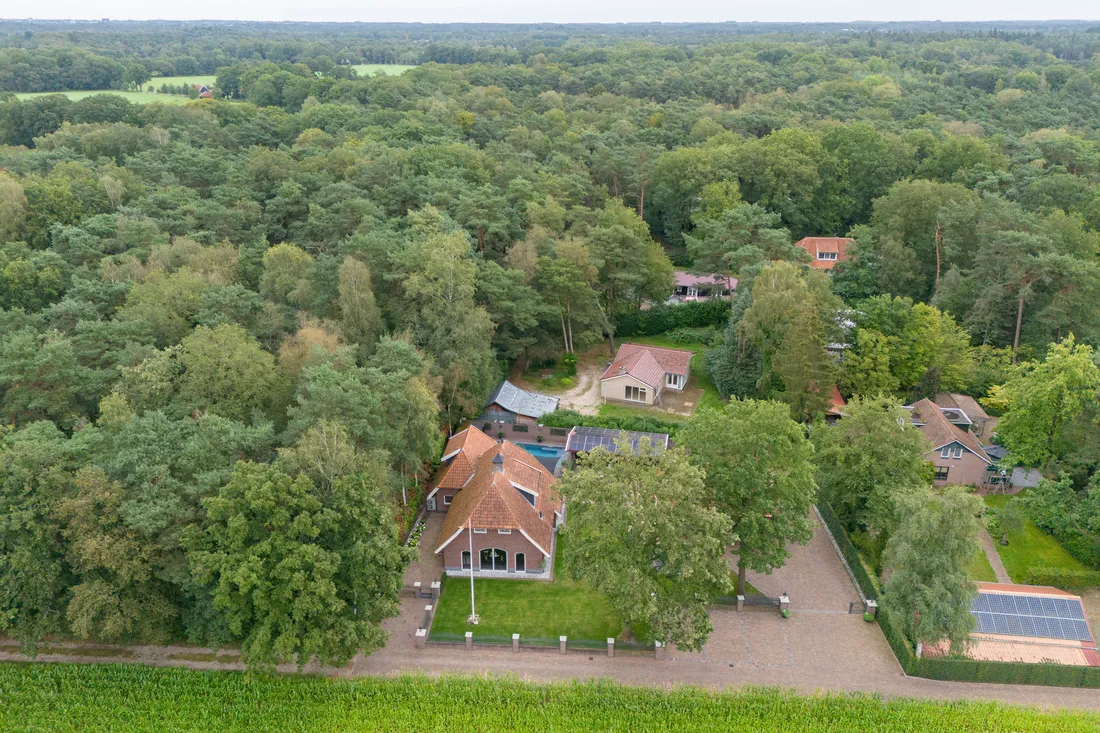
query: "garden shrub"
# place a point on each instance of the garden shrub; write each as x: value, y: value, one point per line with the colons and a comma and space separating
x: 662, y: 318
x: 1063, y: 578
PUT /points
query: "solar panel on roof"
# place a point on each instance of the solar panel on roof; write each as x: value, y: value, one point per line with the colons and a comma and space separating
x: 1038, y: 616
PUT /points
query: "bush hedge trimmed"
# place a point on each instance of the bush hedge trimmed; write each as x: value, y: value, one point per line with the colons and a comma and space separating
x: 570, y: 418
x: 953, y: 669
x: 664, y: 317
x: 1063, y: 578
x: 864, y: 576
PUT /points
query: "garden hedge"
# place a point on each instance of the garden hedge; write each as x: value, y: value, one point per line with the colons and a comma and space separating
x: 664, y: 317
x: 1063, y: 578
x: 571, y: 418
x: 955, y: 670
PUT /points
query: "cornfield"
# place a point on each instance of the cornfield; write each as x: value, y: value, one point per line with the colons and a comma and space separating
x: 122, y: 698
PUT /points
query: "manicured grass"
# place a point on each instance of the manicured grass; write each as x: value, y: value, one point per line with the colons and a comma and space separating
x: 135, y: 97
x: 980, y: 570
x: 388, y: 69
x: 124, y: 697
x: 530, y: 608
x: 1030, y: 548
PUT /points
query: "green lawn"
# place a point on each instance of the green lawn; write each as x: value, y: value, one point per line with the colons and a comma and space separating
x: 135, y: 97
x: 530, y: 608
x: 128, y: 697
x: 388, y: 69
x: 980, y: 570
x: 1030, y: 548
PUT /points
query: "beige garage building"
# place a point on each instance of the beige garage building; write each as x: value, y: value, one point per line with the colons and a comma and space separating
x: 642, y: 373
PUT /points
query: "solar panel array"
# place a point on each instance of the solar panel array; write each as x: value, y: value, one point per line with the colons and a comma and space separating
x: 585, y: 439
x: 1048, y: 617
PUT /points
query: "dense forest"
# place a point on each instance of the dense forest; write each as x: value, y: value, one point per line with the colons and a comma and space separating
x: 234, y: 332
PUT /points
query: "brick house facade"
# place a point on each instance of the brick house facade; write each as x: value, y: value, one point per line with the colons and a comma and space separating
x: 506, y: 497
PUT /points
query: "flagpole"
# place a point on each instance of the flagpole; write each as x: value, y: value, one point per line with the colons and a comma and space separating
x: 470, y: 533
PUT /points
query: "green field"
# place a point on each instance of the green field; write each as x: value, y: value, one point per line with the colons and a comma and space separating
x: 1030, y: 548
x: 125, y: 698
x: 135, y: 97
x: 389, y: 69
x: 156, y: 81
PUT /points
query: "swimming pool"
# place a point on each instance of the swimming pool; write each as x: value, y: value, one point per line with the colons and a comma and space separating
x: 542, y: 451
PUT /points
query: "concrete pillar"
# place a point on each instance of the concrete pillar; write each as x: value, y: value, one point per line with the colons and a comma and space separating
x: 428, y: 615
x: 740, y: 603
x: 469, y: 641
x: 871, y: 607
x: 561, y: 644
x: 784, y: 603
x: 515, y: 643
x: 416, y: 589
x: 610, y: 647
x: 421, y: 638
x: 660, y: 652
x: 435, y: 592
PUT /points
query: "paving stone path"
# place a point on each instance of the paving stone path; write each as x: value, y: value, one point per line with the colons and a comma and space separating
x: 993, y: 556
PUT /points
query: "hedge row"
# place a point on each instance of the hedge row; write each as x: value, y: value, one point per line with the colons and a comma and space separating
x: 954, y: 670
x: 866, y: 579
x: 1063, y: 578
x: 570, y: 418
x: 664, y: 317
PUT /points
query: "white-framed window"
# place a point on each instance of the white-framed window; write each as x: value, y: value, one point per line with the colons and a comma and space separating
x: 530, y: 497
x: 481, y: 531
x: 447, y: 499
x: 945, y: 452
x: 957, y: 452
x: 676, y: 381
x: 521, y: 562
x: 493, y: 559
x: 504, y: 531
x: 826, y: 255
x: 465, y: 559
x: 635, y: 394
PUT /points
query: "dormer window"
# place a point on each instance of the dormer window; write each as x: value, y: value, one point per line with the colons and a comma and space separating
x: 528, y: 495
x: 826, y: 255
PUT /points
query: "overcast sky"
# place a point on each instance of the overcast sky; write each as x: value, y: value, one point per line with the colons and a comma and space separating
x: 560, y: 11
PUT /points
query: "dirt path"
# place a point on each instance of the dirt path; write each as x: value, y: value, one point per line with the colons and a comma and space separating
x: 993, y: 556
x: 585, y: 397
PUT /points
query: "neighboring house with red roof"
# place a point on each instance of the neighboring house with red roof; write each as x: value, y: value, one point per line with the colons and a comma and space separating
x: 502, y: 508
x: 204, y: 91
x: 956, y: 453
x: 642, y: 373
x: 690, y: 286
x: 825, y: 252
x: 969, y: 411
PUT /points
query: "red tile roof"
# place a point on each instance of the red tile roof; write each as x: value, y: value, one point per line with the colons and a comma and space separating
x: 491, y: 500
x: 813, y: 245
x: 461, y: 454
x: 940, y: 431
x: 648, y: 364
x: 963, y: 402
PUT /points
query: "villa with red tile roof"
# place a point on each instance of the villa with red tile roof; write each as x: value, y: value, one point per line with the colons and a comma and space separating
x: 825, y: 251
x: 641, y: 373
x: 502, y: 508
x: 956, y: 453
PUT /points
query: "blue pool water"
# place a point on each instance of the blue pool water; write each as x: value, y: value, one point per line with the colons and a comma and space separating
x: 542, y: 451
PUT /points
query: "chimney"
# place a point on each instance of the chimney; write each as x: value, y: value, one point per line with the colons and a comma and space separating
x: 498, y: 463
